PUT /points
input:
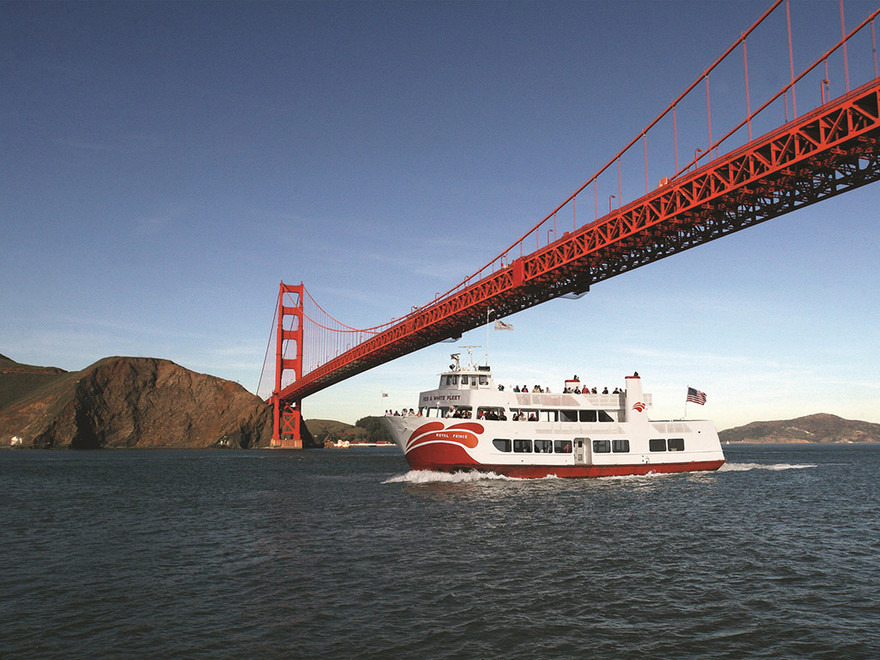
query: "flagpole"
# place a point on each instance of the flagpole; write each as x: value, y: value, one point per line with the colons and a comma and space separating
x: 489, y: 310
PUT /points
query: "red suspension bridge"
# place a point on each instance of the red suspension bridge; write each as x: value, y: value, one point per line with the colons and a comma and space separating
x: 732, y: 182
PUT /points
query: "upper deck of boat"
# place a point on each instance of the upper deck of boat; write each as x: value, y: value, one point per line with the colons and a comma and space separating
x: 476, y: 385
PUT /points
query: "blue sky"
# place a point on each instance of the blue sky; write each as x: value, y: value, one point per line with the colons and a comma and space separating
x: 167, y: 164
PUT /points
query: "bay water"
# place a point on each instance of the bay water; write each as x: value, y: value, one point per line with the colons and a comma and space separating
x: 347, y: 554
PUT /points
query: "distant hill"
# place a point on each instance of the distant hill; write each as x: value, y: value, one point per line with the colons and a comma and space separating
x: 821, y: 427
x: 366, y: 429
x: 127, y: 402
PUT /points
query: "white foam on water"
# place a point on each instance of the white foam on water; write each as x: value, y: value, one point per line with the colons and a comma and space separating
x: 459, y: 477
x: 743, y: 467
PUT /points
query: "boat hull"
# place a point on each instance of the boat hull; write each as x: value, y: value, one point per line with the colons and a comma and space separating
x: 453, y: 459
x: 466, y: 446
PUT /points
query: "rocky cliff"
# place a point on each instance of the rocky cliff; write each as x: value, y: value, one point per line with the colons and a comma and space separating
x: 127, y: 402
x: 821, y: 427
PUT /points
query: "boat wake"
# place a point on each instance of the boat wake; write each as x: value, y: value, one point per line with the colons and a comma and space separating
x: 473, y: 476
x: 460, y: 477
x: 744, y: 467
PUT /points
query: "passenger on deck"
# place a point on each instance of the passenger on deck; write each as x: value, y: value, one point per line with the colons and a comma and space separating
x: 524, y: 389
x: 605, y: 391
x: 533, y: 417
x: 516, y: 388
x: 502, y: 416
x: 577, y: 390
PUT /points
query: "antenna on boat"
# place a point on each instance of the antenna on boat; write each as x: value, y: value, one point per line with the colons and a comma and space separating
x: 470, y: 350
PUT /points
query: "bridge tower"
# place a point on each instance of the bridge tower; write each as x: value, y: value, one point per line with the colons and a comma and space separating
x: 287, y: 414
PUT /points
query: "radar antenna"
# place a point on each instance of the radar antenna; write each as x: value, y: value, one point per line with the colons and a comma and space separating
x: 470, y: 350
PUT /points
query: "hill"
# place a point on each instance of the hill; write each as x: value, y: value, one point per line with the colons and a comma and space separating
x: 821, y: 427
x: 366, y: 429
x: 127, y: 402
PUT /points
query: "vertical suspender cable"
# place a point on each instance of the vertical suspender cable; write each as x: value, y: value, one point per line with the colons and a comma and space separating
x: 843, y: 38
x: 790, y: 63
x: 748, y: 102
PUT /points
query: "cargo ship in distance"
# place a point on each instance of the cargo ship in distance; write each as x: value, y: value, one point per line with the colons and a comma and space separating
x: 469, y: 423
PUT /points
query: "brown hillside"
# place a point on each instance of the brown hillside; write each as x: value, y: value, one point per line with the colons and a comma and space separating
x: 17, y: 381
x: 821, y: 427
x: 128, y: 402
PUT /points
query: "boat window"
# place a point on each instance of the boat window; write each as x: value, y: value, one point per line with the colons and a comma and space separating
x: 588, y: 415
x: 549, y: 415
x: 501, y: 444
x: 605, y: 417
x: 484, y: 380
x: 454, y: 380
x: 620, y: 446
x: 460, y: 412
x: 562, y: 446
x: 491, y: 413
x: 601, y: 446
x: 568, y: 415
x: 676, y: 444
x: 522, y: 446
x: 657, y: 444
x: 464, y: 380
x: 543, y: 446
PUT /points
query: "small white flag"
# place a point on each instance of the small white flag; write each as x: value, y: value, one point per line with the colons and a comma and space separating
x: 501, y: 325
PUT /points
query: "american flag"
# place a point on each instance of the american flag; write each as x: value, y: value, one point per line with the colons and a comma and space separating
x: 696, y: 396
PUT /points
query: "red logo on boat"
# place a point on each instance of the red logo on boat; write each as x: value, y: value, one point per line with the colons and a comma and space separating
x: 639, y: 406
x: 463, y: 433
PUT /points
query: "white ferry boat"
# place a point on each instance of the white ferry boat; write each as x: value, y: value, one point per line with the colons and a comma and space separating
x: 470, y: 423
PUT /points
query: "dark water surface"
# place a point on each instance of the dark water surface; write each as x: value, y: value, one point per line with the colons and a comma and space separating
x: 339, y: 554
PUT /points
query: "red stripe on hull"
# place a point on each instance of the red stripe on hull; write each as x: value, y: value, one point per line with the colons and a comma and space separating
x: 580, y: 471
x: 445, y: 457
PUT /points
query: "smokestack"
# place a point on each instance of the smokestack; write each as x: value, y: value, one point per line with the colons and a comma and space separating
x: 636, y: 406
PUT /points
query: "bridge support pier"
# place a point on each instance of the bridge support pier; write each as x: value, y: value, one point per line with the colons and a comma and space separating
x: 286, y: 433
x: 287, y: 415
